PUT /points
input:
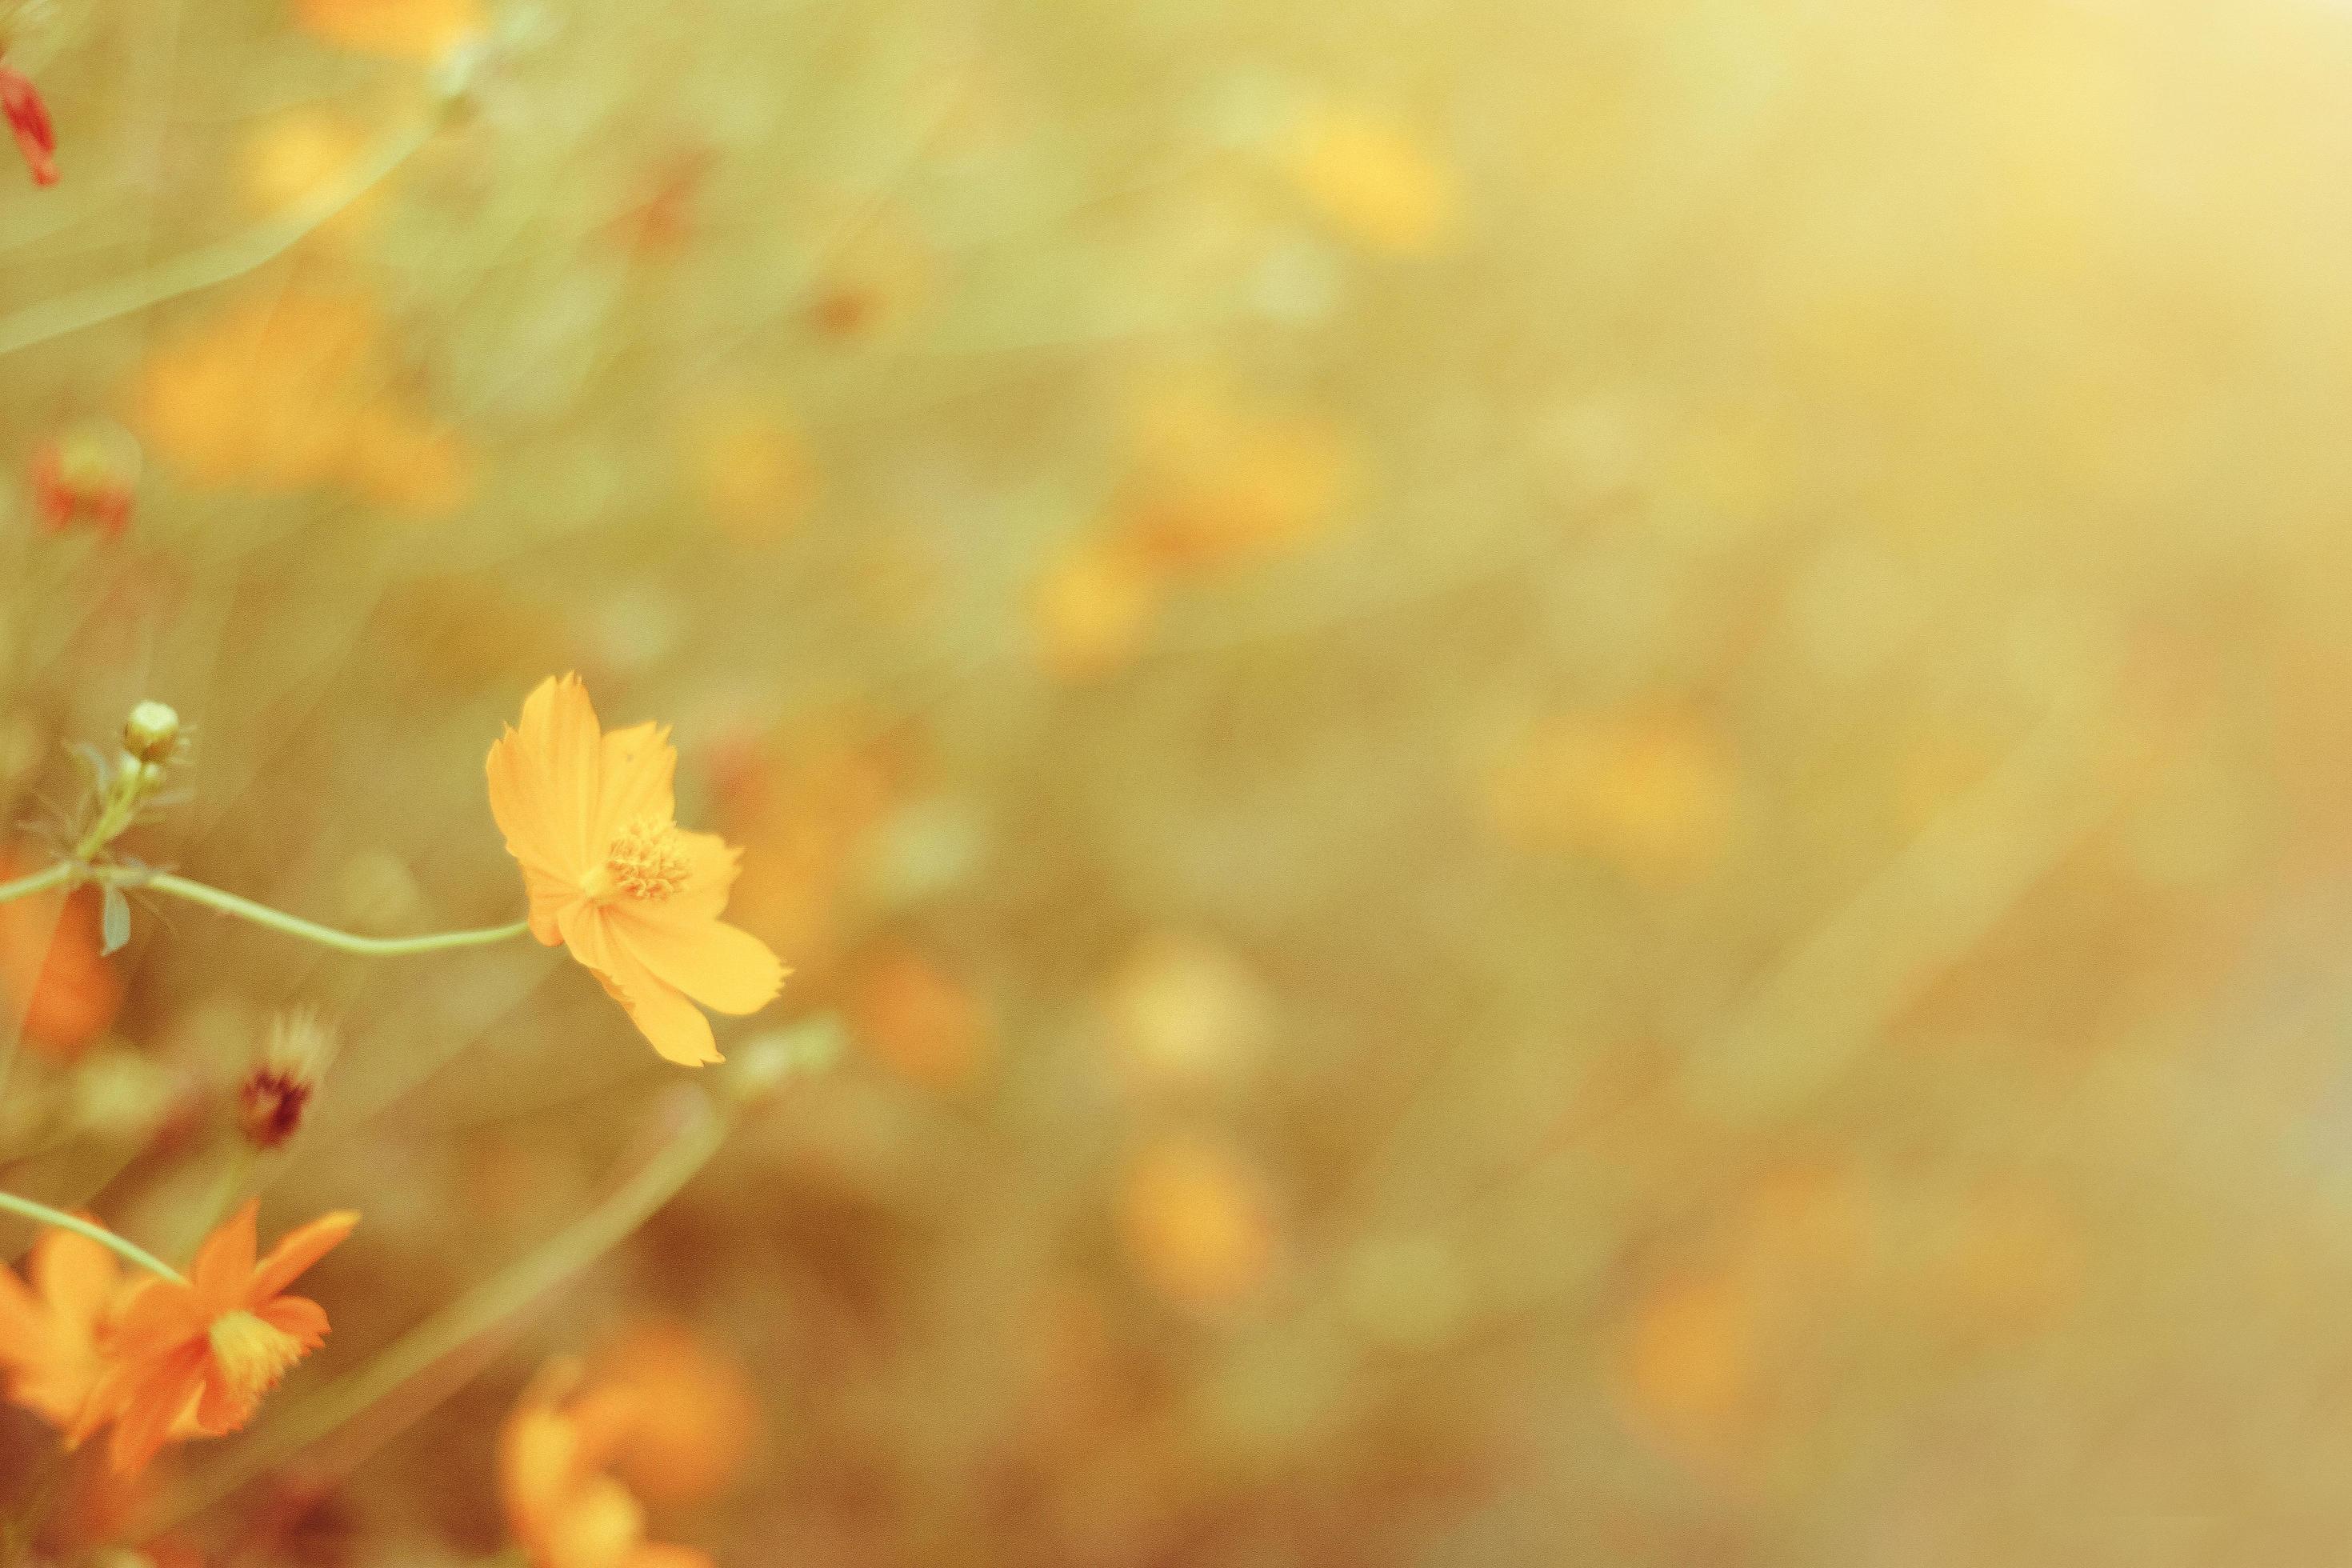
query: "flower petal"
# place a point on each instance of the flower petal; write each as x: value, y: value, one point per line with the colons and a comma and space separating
x: 520, y: 804
x: 671, y: 1024
x: 721, y: 966
x: 24, y: 1325
x: 640, y: 767
x: 154, y: 1405
x: 75, y: 1276
x: 295, y: 1251
x: 298, y: 1315
x: 559, y: 750
x: 224, y: 1265
x: 158, y: 1316
x: 712, y: 865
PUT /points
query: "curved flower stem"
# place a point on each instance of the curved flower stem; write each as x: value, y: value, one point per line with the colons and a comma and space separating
x: 294, y: 925
x: 11, y: 1203
x: 479, y: 1311
x: 38, y: 882
x: 216, y: 263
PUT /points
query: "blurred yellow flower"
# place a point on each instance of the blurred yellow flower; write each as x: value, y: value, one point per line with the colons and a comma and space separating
x: 562, y: 1507
x: 296, y: 156
x: 1649, y: 790
x: 1372, y: 182
x: 592, y: 820
x: 748, y: 464
x: 1094, y: 609
x: 1220, y: 482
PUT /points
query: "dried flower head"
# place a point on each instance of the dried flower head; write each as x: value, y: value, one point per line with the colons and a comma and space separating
x: 276, y: 1091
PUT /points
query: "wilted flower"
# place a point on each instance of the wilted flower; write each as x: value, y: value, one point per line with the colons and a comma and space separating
x: 592, y: 820
x: 213, y: 1344
x: 276, y: 1092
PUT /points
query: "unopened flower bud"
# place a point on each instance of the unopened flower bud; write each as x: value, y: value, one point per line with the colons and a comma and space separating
x: 152, y: 733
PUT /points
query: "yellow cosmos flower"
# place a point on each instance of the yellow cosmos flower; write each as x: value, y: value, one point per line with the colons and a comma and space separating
x: 592, y: 820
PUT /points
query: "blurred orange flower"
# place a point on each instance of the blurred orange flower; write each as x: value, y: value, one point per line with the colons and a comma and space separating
x: 592, y: 820
x: 561, y: 1506
x: 49, y: 1327
x: 288, y: 394
x: 1651, y: 790
x: 89, y: 469
x: 696, y: 1416
x: 1199, y: 1222
x: 397, y: 29
x: 748, y: 464
x: 54, y: 973
x: 213, y: 1344
x: 1094, y: 609
x: 923, y: 1022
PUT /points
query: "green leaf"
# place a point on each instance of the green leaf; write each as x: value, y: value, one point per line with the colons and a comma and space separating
x: 118, y: 921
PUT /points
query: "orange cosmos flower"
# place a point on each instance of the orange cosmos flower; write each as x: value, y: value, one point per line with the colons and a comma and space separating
x: 591, y: 818
x: 207, y: 1348
x: 565, y: 1510
x: 49, y: 1329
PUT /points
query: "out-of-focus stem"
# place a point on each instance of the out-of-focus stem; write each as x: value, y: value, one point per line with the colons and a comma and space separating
x: 294, y: 925
x: 45, y: 1214
x: 282, y: 1434
x: 210, y: 264
x: 39, y: 881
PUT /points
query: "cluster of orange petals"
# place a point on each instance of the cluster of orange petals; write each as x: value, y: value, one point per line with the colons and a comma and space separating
x: 562, y: 1505
x: 159, y: 1360
x: 592, y: 820
x: 56, y: 985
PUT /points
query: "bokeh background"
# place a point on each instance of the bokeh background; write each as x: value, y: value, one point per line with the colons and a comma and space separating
x: 1567, y: 782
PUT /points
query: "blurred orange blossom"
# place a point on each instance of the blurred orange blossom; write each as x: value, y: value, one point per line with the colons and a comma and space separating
x: 563, y: 1509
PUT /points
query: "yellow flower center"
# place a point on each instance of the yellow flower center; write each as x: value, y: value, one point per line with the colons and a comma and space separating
x: 647, y: 862
x: 251, y: 1355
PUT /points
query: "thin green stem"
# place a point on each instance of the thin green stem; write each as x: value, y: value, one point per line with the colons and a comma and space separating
x: 10, y: 1202
x: 38, y: 882
x: 216, y: 263
x: 294, y: 925
x: 479, y: 1311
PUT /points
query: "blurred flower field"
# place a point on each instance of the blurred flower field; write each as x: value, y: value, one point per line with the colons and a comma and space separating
x: 1544, y: 783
